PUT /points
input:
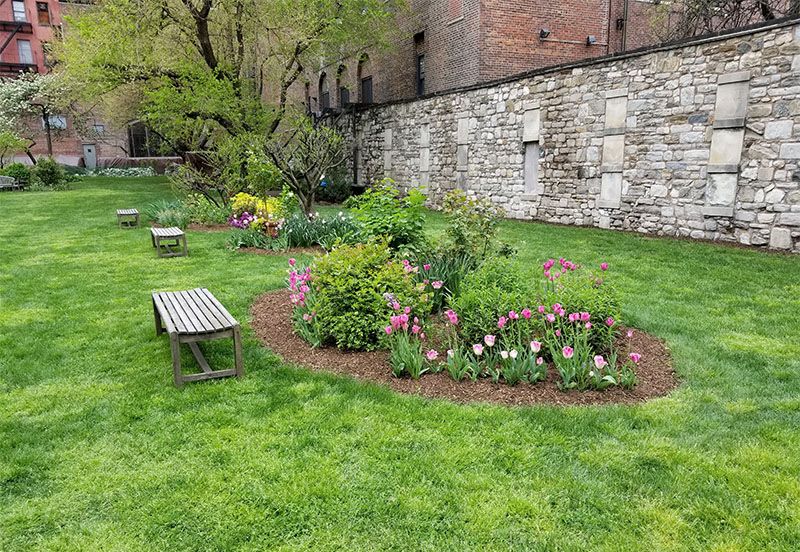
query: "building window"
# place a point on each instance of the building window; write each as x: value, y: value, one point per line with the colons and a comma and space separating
x: 43, y: 13
x: 344, y: 96
x: 324, y: 92
x: 142, y: 142
x: 366, y: 90
x: 25, y: 52
x: 99, y: 129
x: 18, y: 7
x: 56, y: 122
x: 420, y: 74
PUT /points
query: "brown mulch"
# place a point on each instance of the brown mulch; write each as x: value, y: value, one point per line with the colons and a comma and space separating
x: 272, y: 324
x: 293, y: 251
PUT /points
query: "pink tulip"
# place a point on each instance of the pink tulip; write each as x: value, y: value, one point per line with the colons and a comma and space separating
x: 489, y: 340
x: 630, y: 334
x: 541, y: 309
x: 388, y: 330
x: 536, y: 346
x: 504, y: 355
x: 573, y: 316
x: 599, y: 361
x: 432, y: 355
x: 551, y: 318
x: 501, y: 322
x: 292, y: 261
x: 585, y: 317
x: 437, y: 284
x: 567, y: 352
x: 539, y: 361
x: 635, y: 357
x: 477, y: 349
x: 556, y: 307
x: 526, y: 314
x: 558, y: 333
x: 415, y: 329
x: 603, y: 266
x: 513, y: 315
x: 588, y: 325
x: 426, y: 267
x: 452, y: 317
x: 609, y: 321
x: 396, y: 306
x: 407, y: 310
x: 513, y: 354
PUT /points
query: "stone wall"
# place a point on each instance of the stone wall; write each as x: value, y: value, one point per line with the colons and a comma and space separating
x: 700, y: 139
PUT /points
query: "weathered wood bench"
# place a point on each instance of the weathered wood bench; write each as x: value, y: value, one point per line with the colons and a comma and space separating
x: 10, y: 183
x: 169, y: 242
x: 190, y: 317
x: 128, y: 218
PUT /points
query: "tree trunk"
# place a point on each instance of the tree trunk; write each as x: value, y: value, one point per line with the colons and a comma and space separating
x: 48, y: 133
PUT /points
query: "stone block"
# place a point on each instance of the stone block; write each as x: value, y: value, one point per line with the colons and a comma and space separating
x: 726, y: 147
x: 611, y: 189
x: 721, y: 189
x: 616, y: 112
x: 614, y: 149
x: 789, y: 219
x: 790, y: 151
x: 462, y: 133
x: 780, y: 238
x: 531, y: 122
x: 775, y: 130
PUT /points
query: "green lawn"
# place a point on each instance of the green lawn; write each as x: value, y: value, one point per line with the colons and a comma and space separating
x: 98, y: 451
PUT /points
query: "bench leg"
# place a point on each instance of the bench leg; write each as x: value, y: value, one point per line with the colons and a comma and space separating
x: 237, y: 352
x: 159, y: 326
x: 175, y: 346
x: 185, y: 249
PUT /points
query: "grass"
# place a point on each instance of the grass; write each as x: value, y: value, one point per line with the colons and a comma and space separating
x: 98, y: 451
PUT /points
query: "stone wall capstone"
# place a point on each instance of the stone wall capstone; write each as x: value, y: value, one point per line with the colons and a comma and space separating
x: 697, y: 140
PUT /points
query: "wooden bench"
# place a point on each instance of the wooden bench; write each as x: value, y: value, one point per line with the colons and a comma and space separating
x: 128, y: 218
x: 10, y: 183
x: 169, y: 242
x: 190, y: 317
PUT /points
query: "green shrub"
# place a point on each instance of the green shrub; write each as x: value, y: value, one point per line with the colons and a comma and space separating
x: 48, y: 173
x: 203, y: 211
x: 444, y: 271
x: 19, y: 172
x: 471, y: 223
x: 167, y: 213
x: 488, y: 293
x: 383, y: 213
x: 353, y: 288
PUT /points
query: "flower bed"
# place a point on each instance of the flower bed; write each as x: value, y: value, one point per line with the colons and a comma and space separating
x: 272, y: 323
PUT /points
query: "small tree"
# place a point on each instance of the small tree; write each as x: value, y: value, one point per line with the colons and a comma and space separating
x: 10, y: 144
x: 304, y: 154
x: 27, y: 98
x: 675, y: 20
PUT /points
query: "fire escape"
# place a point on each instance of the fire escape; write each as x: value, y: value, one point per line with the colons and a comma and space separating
x: 8, y: 30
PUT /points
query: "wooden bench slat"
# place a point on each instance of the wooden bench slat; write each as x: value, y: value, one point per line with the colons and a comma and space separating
x: 212, y: 311
x: 175, y: 312
x: 190, y: 311
x: 213, y: 300
x: 215, y: 321
x: 163, y: 311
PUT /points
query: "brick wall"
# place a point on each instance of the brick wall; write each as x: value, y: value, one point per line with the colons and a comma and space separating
x: 699, y: 140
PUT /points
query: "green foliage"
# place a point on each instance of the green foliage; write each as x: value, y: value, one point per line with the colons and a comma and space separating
x: 471, y: 223
x: 336, y: 187
x: 581, y: 291
x: 49, y: 174
x: 383, y: 213
x: 323, y: 231
x: 491, y: 291
x: 18, y: 171
x: 249, y: 237
x: 202, y: 211
x: 353, y: 285
x: 167, y: 213
x: 444, y: 271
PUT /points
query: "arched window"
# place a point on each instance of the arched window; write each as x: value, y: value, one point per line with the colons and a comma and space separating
x: 365, y: 79
x: 341, y: 86
x: 324, y: 93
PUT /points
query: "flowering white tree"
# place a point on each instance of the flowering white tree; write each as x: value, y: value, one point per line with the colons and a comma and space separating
x: 26, y: 99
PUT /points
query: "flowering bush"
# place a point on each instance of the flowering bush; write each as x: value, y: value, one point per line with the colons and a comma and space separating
x: 471, y: 223
x: 354, y: 286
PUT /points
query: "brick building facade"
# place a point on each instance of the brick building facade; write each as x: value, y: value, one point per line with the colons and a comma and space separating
x: 448, y: 44
x: 27, y: 27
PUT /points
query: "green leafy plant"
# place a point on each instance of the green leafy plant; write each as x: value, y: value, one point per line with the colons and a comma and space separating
x: 49, y: 174
x: 18, y: 171
x: 443, y: 272
x: 202, y: 211
x: 384, y: 213
x: 471, y: 223
x: 249, y: 237
x: 167, y: 213
x: 355, y: 288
